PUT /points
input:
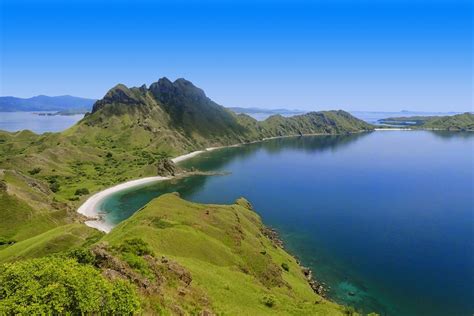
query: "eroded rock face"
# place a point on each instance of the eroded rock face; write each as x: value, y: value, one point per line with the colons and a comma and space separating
x: 163, y: 269
x: 166, y: 168
x: 272, y: 234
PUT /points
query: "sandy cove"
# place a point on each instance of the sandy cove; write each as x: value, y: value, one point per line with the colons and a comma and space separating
x: 91, y: 207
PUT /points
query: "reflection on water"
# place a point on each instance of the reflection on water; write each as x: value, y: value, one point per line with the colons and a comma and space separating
x: 453, y: 135
x: 125, y: 203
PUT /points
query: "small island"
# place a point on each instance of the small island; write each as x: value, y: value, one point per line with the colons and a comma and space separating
x: 458, y: 122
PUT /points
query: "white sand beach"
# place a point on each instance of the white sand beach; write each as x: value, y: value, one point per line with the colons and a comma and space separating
x: 91, y: 207
x: 394, y: 129
x: 187, y: 156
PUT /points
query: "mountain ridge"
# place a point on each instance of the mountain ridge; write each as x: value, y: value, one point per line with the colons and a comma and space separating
x: 185, y: 111
x: 45, y: 103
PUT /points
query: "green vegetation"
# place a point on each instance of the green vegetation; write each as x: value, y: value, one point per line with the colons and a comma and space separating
x: 82, y: 191
x: 56, y: 286
x: 182, y: 257
x: 55, y: 240
x: 459, y: 122
x: 131, y: 129
x: 27, y: 207
x: 34, y: 171
x: 227, y: 256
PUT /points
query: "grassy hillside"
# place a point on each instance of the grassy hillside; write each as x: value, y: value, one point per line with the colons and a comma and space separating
x: 216, y: 257
x: 182, y: 258
x: 229, y: 258
x: 131, y: 129
x: 56, y: 240
x: 459, y: 122
x: 27, y: 208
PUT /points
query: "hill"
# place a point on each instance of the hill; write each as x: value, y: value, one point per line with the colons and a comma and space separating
x: 131, y: 133
x: 131, y: 130
x: 64, y: 103
x: 189, y: 258
x: 458, y: 122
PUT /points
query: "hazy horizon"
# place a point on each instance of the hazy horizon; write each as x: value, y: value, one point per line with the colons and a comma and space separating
x: 361, y: 55
x: 289, y: 108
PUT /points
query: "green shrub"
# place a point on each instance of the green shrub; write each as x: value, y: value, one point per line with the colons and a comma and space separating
x: 54, y: 285
x: 6, y: 241
x: 54, y: 186
x: 285, y: 266
x: 82, y: 255
x: 136, y: 246
x: 82, y: 191
x: 34, y: 171
x: 269, y: 300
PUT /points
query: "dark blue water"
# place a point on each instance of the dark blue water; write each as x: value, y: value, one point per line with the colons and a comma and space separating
x: 387, y: 216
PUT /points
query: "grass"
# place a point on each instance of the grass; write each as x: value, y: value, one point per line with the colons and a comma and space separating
x: 56, y: 240
x: 222, y: 246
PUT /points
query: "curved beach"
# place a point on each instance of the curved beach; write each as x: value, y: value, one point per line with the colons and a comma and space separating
x: 91, y: 207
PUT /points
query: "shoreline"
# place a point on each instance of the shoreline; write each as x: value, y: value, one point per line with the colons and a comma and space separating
x: 90, y: 208
x: 393, y: 129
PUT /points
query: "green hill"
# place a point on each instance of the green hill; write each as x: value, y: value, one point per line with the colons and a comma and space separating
x: 131, y: 130
x: 129, y: 134
x: 458, y: 122
x: 189, y: 258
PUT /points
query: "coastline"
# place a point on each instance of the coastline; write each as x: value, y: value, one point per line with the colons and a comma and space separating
x: 393, y: 129
x: 90, y: 208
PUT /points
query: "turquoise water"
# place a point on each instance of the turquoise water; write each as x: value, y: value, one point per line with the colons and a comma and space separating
x: 385, y: 216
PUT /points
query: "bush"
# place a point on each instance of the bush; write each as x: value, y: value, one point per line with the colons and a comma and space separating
x: 6, y: 241
x: 54, y: 186
x: 269, y: 300
x: 82, y: 255
x: 109, y: 155
x: 136, y: 246
x: 285, y: 266
x: 34, y: 171
x: 83, y: 191
x: 54, y: 285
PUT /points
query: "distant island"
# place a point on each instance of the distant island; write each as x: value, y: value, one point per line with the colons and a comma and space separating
x: 458, y: 122
x: 61, y: 104
x: 253, y: 110
x: 132, y: 133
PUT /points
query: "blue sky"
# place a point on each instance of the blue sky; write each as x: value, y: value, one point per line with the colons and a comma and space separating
x: 356, y: 55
